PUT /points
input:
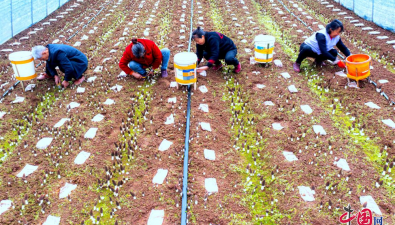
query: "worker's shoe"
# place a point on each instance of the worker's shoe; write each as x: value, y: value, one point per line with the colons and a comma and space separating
x: 319, y: 63
x: 79, y: 81
x: 238, y: 68
x: 164, y: 73
x: 44, y: 76
x: 218, y: 66
x: 296, y: 67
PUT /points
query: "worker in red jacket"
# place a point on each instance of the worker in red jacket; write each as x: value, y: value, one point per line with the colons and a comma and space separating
x: 144, y: 54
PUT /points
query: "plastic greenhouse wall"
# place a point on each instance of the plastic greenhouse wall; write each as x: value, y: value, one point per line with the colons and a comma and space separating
x: 381, y: 12
x: 17, y: 15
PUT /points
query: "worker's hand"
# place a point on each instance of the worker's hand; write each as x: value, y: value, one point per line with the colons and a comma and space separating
x: 137, y: 75
x: 65, y: 84
x: 336, y: 61
x: 150, y: 73
x: 201, y: 69
x: 57, y: 80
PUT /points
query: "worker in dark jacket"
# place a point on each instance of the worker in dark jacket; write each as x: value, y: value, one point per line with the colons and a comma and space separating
x: 142, y: 54
x: 320, y: 46
x: 214, y: 46
x: 72, y: 62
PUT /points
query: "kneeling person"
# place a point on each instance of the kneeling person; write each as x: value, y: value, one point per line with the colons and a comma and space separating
x: 72, y: 62
x: 142, y: 54
x: 215, y: 46
x: 320, y: 46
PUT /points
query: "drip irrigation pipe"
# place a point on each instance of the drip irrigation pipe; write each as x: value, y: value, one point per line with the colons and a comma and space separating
x: 9, y: 89
x: 370, y: 81
x: 13, y: 86
x: 83, y: 27
x: 186, y: 153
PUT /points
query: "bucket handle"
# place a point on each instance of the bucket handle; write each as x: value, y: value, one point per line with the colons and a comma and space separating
x: 17, y: 71
x: 366, y: 71
x: 370, y: 63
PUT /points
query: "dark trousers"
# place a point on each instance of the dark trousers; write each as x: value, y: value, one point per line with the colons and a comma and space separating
x: 306, y: 51
x: 229, y: 56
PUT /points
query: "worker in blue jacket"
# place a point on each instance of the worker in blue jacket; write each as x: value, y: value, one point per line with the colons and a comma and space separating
x: 72, y: 62
x: 214, y: 46
x: 320, y: 46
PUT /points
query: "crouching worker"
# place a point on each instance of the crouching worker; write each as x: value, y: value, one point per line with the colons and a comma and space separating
x: 142, y: 54
x: 320, y: 46
x: 72, y: 62
x: 214, y: 46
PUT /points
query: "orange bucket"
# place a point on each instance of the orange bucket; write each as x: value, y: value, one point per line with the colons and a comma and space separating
x: 358, y: 66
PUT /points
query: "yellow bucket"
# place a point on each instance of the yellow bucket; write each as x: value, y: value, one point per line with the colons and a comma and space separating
x: 264, y: 46
x: 358, y: 66
x: 23, y: 65
x: 185, y: 68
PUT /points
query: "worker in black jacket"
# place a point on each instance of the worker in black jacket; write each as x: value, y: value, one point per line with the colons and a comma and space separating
x: 214, y: 46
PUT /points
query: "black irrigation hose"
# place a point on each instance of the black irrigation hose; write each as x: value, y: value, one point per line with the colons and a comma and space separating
x: 9, y: 89
x: 184, y: 204
x: 370, y: 81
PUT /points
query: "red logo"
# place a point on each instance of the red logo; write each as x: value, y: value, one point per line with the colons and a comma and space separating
x: 220, y: 35
x: 364, y: 217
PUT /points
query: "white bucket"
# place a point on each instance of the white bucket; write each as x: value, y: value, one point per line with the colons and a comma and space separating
x: 23, y: 65
x: 185, y: 67
x: 264, y: 46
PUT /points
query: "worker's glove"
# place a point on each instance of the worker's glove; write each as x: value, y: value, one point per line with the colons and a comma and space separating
x: 57, y: 80
x: 151, y: 72
x: 340, y: 63
x: 65, y: 84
